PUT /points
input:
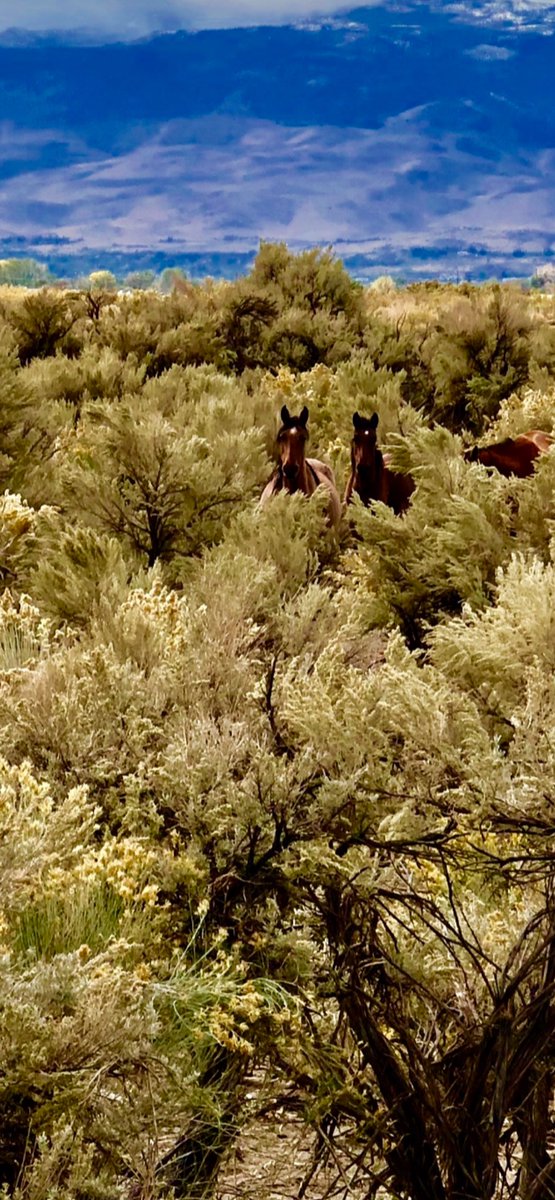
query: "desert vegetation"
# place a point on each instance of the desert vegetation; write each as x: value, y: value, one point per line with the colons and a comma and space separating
x: 277, y: 802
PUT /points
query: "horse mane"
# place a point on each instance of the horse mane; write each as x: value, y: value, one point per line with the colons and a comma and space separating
x: 314, y: 472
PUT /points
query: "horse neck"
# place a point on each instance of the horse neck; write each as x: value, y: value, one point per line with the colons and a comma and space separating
x: 311, y: 478
x: 369, y: 482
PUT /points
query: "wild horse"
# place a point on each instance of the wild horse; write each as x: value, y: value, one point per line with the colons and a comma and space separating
x: 371, y: 477
x: 295, y: 472
x: 513, y: 456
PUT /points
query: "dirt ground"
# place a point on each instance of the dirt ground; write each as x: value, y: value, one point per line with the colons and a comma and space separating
x: 277, y: 1159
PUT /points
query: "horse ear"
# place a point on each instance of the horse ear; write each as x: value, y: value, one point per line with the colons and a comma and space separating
x: 303, y: 417
x: 285, y: 415
x: 357, y: 420
x: 374, y: 421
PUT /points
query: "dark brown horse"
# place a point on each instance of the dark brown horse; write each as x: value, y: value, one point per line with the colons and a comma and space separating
x: 295, y: 472
x: 513, y: 456
x: 371, y: 477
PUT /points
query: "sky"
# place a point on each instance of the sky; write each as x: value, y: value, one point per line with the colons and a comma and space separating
x: 138, y: 18
x: 133, y: 19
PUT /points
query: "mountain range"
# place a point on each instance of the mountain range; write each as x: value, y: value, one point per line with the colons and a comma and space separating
x: 416, y: 138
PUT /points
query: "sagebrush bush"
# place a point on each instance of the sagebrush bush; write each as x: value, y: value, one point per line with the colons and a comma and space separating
x: 275, y: 801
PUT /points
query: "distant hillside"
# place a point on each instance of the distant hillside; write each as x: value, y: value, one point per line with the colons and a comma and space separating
x: 412, y: 138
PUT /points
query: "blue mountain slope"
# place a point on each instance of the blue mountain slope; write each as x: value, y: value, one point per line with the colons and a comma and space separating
x: 394, y: 132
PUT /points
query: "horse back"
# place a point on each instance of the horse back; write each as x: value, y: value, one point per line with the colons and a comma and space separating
x: 326, y: 478
x: 538, y: 437
x: 322, y: 468
x: 514, y: 456
x: 272, y: 487
x: 397, y: 489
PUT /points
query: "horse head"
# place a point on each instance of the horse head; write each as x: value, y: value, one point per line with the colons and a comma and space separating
x: 292, y: 439
x: 366, y: 458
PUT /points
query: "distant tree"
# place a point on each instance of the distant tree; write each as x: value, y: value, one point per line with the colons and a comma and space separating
x: 313, y: 280
x: 141, y: 280
x: 104, y: 281
x: 170, y: 277
x: 23, y: 272
x: 544, y: 277
x: 383, y: 283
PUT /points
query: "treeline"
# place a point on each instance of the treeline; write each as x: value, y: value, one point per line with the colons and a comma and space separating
x: 276, y: 805
x: 32, y: 273
x: 459, y: 350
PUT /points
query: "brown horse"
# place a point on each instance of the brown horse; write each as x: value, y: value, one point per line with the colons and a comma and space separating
x: 295, y: 472
x: 371, y: 477
x: 513, y: 456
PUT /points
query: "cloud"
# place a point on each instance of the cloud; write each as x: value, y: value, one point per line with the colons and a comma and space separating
x: 138, y: 18
x: 130, y: 19
x: 486, y: 53
x: 516, y: 14
x: 143, y: 17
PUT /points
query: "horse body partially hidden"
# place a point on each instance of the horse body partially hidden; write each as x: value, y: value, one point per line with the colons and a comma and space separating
x: 371, y: 477
x: 295, y: 472
x: 513, y: 456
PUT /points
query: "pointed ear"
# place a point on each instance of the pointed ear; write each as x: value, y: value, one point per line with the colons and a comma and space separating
x: 357, y: 420
x: 285, y: 418
x: 303, y: 417
x: 374, y: 421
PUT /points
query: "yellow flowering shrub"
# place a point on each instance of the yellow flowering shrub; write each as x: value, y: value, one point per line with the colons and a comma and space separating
x: 39, y: 834
x: 17, y: 526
